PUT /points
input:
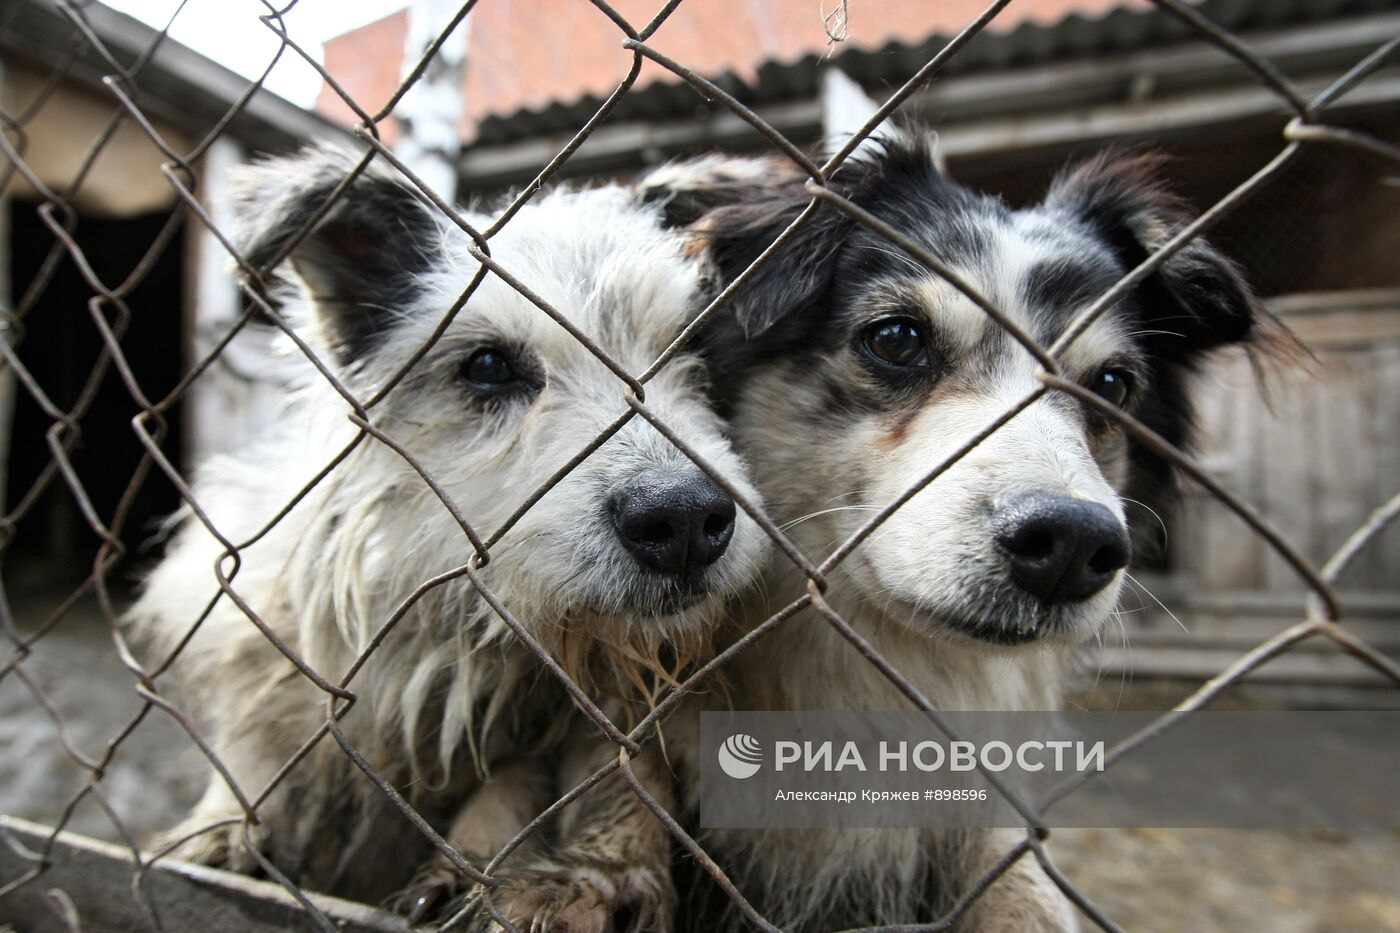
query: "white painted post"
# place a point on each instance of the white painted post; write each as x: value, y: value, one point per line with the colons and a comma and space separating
x: 429, y: 140
x: 845, y: 106
x: 239, y: 395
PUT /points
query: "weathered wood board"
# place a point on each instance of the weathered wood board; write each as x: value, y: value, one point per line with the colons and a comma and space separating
x: 87, y: 886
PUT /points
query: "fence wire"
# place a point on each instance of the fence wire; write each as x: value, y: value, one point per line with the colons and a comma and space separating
x: 111, y: 314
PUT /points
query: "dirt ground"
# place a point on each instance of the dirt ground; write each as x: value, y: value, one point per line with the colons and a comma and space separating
x: 1170, y: 881
x: 75, y: 671
x: 1237, y: 880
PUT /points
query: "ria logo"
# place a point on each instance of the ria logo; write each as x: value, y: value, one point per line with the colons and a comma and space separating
x: 740, y: 756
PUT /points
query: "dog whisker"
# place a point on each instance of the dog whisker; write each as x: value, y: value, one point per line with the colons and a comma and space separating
x: 841, y: 508
x: 1151, y: 512
x: 907, y: 260
x: 1127, y: 671
x: 1138, y: 583
x: 1152, y: 333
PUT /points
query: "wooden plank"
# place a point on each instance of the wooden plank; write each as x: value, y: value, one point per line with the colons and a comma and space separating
x: 1157, y: 119
x: 1323, y: 304
x: 1314, y: 668
x: 95, y: 880
x: 1184, y: 65
x: 1123, y: 691
x: 1348, y: 328
x: 1240, y: 634
x: 1382, y: 558
x: 1383, y: 604
x: 1192, y: 526
x: 1316, y: 465
x: 1341, y: 478
x: 1229, y: 553
x: 1288, y: 478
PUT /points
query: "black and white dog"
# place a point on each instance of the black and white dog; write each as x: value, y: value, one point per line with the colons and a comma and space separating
x: 850, y: 371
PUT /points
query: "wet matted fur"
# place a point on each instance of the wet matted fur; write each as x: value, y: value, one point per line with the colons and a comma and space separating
x: 451, y: 690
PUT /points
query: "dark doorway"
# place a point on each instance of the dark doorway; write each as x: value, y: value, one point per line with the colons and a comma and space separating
x: 60, y: 345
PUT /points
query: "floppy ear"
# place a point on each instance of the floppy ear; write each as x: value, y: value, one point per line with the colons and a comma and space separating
x: 735, y: 208
x: 688, y: 189
x: 796, y: 276
x: 1197, y: 299
x: 361, y: 262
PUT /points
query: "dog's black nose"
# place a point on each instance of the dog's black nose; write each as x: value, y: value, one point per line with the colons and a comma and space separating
x: 674, y: 521
x: 1060, y: 549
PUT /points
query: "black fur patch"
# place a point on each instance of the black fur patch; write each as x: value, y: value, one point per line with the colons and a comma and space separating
x: 361, y: 260
x: 1067, y: 283
x: 1197, y: 296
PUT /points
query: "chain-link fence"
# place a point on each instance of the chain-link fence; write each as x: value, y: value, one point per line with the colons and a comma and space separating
x: 111, y: 314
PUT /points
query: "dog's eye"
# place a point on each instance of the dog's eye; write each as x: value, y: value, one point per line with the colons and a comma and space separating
x: 489, y: 369
x: 1113, y: 385
x: 896, y: 342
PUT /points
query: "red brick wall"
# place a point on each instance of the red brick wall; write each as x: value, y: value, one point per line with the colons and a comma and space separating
x: 368, y: 64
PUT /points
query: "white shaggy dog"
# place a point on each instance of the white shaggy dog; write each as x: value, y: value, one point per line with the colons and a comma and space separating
x: 619, y: 571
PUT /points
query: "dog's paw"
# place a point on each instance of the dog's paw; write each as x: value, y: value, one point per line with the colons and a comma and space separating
x: 437, y: 892
x: 581, y: 898
x: 225, y: 846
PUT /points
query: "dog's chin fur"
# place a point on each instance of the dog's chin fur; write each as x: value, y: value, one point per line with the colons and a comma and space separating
x: 1036, y: 625
x: 986, y: 611
x: 635, y: 653
x: 1048, y: 627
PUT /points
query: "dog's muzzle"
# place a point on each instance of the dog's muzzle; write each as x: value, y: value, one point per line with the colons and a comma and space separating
x: 674, y: 521
x: 1059, y: 549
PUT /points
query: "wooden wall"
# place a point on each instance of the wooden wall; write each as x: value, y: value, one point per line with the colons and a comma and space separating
x: 1315, y: 452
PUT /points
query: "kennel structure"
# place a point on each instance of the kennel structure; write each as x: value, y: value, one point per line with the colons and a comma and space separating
x: 1050, y: 80
x: 124, y: 201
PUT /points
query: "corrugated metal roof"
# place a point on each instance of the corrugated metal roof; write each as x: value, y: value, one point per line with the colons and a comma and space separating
x: 1124, y: 29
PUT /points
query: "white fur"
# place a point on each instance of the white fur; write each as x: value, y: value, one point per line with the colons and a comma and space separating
x: 331, y: 572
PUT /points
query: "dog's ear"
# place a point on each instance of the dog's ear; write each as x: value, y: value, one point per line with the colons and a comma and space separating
x: 735, y: 208
x: 362, y: 259
x: 1197, y: 299
x: 796, y: 276
x: 688, y: 189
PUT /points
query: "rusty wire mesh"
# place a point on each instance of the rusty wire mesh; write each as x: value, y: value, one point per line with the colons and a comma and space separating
x: 110, y: 314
